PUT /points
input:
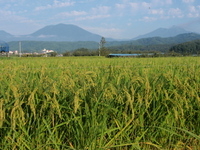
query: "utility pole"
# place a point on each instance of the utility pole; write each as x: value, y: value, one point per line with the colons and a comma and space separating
x: 20, y: 49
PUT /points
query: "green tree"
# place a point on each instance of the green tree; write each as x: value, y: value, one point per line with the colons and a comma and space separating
x: 102, y: 42
x: 81, y: 52
x: 52, y: 54
x: 67, y: 53
x: 102, y: 47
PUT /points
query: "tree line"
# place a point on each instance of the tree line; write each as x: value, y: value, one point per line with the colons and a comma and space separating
x: 188, y: 48
x: 104, y: 48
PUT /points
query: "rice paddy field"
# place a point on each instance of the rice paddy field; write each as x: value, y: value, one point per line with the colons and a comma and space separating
x: 98, y: 103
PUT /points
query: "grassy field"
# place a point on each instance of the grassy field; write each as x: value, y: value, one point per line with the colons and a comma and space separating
x: 98, y: 103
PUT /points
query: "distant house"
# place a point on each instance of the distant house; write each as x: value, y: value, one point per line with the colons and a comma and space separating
x: 47, y: 51
x: 15, y: 52
x: 11, y: 52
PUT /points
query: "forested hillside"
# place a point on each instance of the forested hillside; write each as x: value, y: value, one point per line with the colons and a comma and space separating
x: 128, y: 48
x: 192, y: 47
x: 152, y: 44
x: 158, y: 40
x: 60, y: 47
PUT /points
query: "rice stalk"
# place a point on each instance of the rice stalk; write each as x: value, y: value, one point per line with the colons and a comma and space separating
x: 2, y: 112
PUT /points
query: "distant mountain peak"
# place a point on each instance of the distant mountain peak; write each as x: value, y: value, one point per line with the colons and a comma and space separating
x: 4, y: 32
x: 5, y: 36
x: 65, y: 32
x: 164, y: 32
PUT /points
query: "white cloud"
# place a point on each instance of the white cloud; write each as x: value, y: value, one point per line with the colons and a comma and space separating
x: 157, y: 11
x: 92, y: 17
x: 192, y: 9
x: 62, y: 4
x: 4, y: 14
x: 97, y: 13
x: 134, y: 6
x: 120, y: 6
x: 129, y: 24
x: 175, y: 12
x: 156, y: 3
x: 188, y: 1
x: 146, y: 5
x: 46, y: 36
x: 15, y: 24
x: 120, y: 9
x: 72, y: 13
x: 169, y: 2
x: 56, y: 4
x: 193, y: 12
x: 148, y: 19
x: 12, y: 16
x: 143, y: 7
x: 101, y: 10
x: 193, y: 15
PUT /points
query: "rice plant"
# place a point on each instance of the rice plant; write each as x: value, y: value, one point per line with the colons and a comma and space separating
x: 100, y: 103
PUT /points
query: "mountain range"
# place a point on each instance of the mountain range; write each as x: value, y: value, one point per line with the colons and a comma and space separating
x: 163, y: 32
x: 69, y: 32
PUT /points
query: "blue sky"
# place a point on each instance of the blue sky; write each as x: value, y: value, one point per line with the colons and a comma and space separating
x: 120, y: 19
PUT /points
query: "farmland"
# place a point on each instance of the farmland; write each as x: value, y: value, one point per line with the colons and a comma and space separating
x: 100, y: 103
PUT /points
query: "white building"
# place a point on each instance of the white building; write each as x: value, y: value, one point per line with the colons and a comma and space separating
x: 47, y: 51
